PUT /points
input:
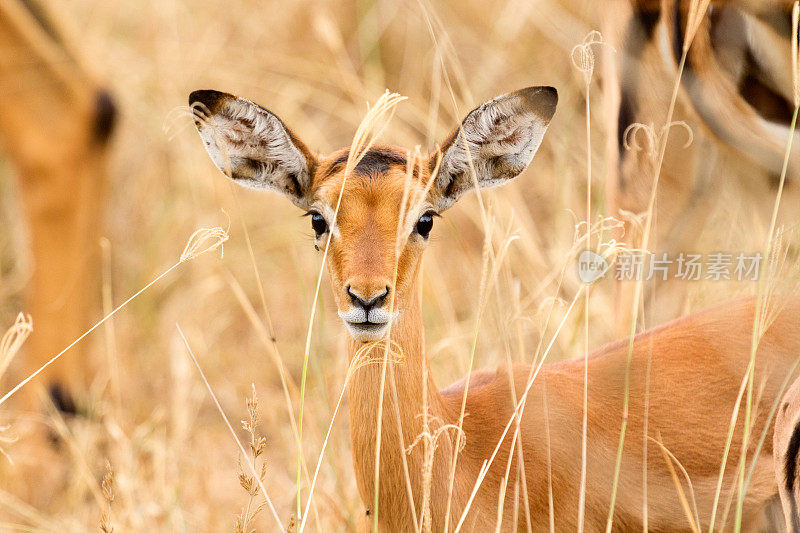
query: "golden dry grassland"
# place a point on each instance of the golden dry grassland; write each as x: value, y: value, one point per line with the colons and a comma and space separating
x: 317, y: 65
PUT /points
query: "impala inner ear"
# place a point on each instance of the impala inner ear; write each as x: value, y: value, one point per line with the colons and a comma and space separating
x: 494, y: 143
x: 252, y: 146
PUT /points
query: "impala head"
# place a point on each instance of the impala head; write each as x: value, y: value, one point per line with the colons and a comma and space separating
x: 388, y: 202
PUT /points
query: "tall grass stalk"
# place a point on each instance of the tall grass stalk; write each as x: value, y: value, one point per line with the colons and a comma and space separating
x: 741, y: 465
x: 272, y: 347
x: 18, y: 507
x: 697, y: 11
x: 269, y: 343
x: 370, y: 128
x: 516, y: 443
x: 286, y: 379
x: 541, y: 354
x: 646, y: 437
x: 351, y: 368
x: 272, y: 337
x: 758, y: 322
x: 518, y: 409
x: 768, y: 423
x: 202, y: 241
x: 74, y: 449
x: 359, y: 360
x: 482, y: 298
x: 436, y: 28
x: 726, y: 449
x: 487, y: 262
x: 428, y: 438
x: 690, y: 511
x: 583, y: 60
x: 400, y: 241
x: 757, y: 331
x: 247, y: 460
x: 110, y: 332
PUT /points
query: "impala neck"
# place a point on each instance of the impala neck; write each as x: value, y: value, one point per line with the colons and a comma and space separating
x: 403, y: 395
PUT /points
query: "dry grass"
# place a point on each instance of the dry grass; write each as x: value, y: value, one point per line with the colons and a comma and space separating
x: 175, y: 466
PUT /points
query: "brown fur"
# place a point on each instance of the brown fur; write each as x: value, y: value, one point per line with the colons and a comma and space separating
x: 731, y: 89
x: 697, y: 361
x: 55, y: 121
x: 696, y: 365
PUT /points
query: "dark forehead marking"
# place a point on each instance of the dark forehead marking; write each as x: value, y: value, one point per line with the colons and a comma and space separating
x: 376, y: 161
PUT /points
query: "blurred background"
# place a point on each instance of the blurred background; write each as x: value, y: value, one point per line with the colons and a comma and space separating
x: 317, y: 65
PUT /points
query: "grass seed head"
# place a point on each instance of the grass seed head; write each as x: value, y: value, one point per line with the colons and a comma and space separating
x: 202, y: 241
x: 13, y: 340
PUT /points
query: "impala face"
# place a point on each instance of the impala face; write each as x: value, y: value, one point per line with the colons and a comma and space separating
x: 385, y: 218
x: 388, y: 202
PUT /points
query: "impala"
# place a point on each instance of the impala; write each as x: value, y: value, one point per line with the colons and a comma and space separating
x: 56, y: 121
x: 736, y: 96
x: 375, y: 243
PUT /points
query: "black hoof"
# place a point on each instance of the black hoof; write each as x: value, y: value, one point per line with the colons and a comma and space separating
x: 62, y: 399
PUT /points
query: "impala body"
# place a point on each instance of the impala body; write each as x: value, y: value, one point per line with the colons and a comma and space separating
x: 374, y: 244
x: 55, y: 125
x: 735, y: 95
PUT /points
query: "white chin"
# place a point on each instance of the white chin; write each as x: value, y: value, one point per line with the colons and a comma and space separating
x: 367, y: 332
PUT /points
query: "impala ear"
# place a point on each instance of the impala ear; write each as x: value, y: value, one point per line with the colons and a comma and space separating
x: 497, y: 140
x: 252, y: 146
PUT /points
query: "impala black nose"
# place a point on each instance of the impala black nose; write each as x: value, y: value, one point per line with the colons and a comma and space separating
x: 369, y: 301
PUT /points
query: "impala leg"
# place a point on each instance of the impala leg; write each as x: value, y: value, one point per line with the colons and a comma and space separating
x: 54, y: 124
x: 613, y: 21
x: 786, y: 452
x: 64, y: 232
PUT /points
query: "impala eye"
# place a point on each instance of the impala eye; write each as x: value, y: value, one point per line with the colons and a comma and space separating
x: 318, y: 224
x: 425, y: 224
